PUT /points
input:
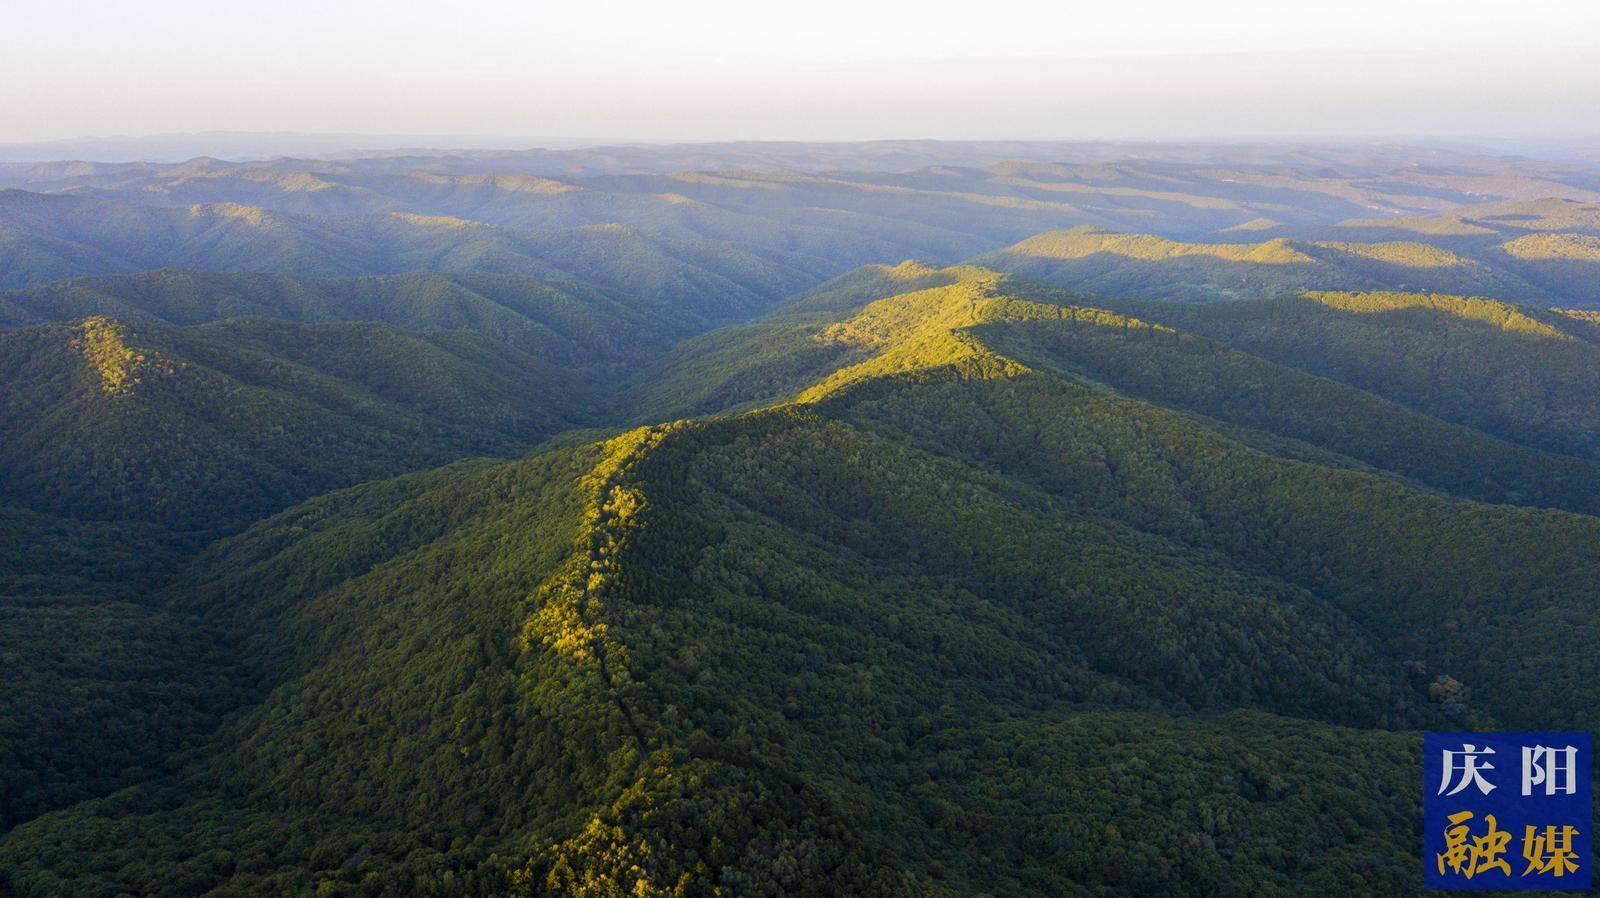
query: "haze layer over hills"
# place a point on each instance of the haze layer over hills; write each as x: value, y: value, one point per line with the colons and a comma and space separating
x: 899, y: 519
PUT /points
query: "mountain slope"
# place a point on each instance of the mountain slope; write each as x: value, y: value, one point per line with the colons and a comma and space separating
x: 100, y: 694
x: 1273, y: 405
x: 580, y: 337
x: 211, y: 426
x: 1286, y: 411
x: 560, y: 320
x: 951, y: 623
x: 767, y: 358
x: 48, y: 237
x: 1524, y: 375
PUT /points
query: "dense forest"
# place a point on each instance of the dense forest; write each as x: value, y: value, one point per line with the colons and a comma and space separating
x: 452, y: 526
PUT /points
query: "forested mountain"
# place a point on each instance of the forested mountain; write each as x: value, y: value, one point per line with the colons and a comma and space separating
x: 1183, y: 227
x: 1553, y: 244
x: 213, y: 426
x: 565, y: 321
x: 1525, y: 375
x: 924, y: 630
x: 202, y: 400
x: 1175, y: 186
x: 1140, y: 265
x: 1475, y: 397
x: 46, y: 237
x: 818, y: 208
x: 589, y: 524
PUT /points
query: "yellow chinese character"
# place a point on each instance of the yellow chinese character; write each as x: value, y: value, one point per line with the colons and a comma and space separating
x: 1468, y: 855
x: 1549, y: 851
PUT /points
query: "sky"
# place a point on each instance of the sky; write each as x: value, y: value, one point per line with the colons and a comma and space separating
x: 821, y: 69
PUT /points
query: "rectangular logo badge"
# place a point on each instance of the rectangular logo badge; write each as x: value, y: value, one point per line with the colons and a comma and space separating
x: 1507, y: 811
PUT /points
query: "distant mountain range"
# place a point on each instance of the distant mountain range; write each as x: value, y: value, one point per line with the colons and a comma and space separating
x: 774, y: 231
x: 1524, y: 251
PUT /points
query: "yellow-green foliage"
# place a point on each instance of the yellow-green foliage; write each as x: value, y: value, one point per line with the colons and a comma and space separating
x: 508, y: 183
x: 298, y: 182
x: 1256, y: 224
x: 1427, y: 225
x: 441, y: 222
x: 1502, y: 315
x: 915, y: 332
x: 928, y: 330
x: 1557, y: 247
x: 1150, y: 267
x: 1081, y: 242
x: 843, y: 334
x: 103, y: 343
x: 914, y: 271
x: 1587, y: 315
x: 1409, y: 253
x: 617, y: 855
x: 871, y: 282
x: 571, y: 604
x: 254, y: 216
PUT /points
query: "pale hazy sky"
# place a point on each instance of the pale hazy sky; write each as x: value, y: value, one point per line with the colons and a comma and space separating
x: 823, y: 69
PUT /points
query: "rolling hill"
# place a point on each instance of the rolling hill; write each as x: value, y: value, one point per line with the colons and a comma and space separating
x: 990, y: 590
x: 45, y: 237
x: 597, y: 523
x: 1548, y: 243
x: 1525, y: 375
x: 846, y: 205
x: 212, y: 426
x: 1142, y: 265
x: 563, y: 321
x: 1166, y: 224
